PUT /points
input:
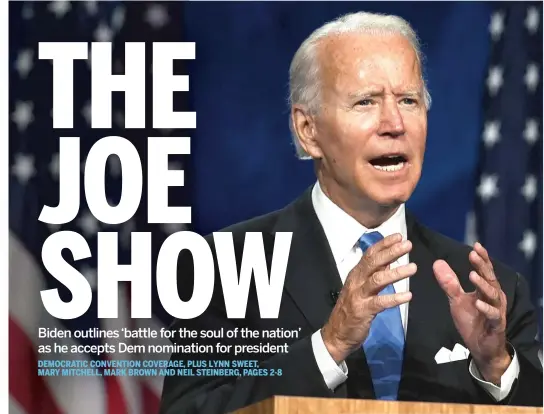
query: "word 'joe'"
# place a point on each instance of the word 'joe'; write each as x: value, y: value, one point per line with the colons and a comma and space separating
x: 235, y: 286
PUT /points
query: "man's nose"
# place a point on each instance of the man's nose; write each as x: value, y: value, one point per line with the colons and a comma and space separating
x: 391, y: 122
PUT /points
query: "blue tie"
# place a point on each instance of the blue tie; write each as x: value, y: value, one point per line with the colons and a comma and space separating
x: 384, y: 346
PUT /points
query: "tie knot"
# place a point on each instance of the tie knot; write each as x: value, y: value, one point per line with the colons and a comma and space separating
x: 368, y: 239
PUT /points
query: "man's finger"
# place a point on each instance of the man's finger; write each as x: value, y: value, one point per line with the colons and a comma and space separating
x: 488, y: 292
x: 490, y: 312
x: 381, y: 279
x: 483, y: 267
x: 447, y: 279
x: 378, y: 259
x: 378, y: 304
x: 385, y: 243
x: 368, y: 263
x: 482, y: 251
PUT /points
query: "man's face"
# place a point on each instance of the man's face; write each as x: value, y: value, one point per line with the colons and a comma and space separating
x: 371, y: 127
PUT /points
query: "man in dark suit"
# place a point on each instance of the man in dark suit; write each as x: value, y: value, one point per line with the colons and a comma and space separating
x: 376, y: 295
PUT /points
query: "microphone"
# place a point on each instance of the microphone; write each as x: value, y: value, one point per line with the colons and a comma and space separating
x: 334, y: 296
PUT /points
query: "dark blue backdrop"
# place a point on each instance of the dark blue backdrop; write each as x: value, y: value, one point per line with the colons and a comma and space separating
x: 244, y: 163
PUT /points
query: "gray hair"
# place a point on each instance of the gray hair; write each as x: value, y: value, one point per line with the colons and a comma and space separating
x: 304, y: 85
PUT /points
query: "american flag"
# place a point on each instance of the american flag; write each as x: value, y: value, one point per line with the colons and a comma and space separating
x: 34, y: 172
x: 508, y: 209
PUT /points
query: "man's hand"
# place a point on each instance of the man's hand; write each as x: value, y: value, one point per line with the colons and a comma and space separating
x: 479, y: 316
x: 358, y: 303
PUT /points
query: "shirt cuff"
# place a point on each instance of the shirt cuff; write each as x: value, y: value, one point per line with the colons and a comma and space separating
x: 507, y: 379
x: 334, y: 374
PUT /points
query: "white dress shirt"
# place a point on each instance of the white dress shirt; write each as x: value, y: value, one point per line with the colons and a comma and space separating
x: 343, y: 233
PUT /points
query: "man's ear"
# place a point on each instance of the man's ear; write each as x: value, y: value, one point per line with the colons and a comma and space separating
x: 305, y: 129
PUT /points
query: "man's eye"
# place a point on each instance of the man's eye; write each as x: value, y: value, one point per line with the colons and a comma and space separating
x: 409, y: 101
x: 365, y: 102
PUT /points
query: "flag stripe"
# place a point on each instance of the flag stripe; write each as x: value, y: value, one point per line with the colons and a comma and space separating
x: 150, y: 399
x: 116, y: 400
x: 25, y: 387
x: 125, y: 389
x: 15, y: 407
x: 81, y: 395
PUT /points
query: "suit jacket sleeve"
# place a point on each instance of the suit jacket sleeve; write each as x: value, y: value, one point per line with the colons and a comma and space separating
x: 214, y: 395
x: 522, y: 329
x: 521, y: 332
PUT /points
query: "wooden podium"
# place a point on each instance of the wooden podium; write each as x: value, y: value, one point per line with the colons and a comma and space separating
x: 305, y: 405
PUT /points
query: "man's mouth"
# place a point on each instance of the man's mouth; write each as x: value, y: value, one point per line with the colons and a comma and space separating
x: 389, y: 163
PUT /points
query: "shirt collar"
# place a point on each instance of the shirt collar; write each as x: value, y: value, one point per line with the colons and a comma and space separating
x: 343, y: 231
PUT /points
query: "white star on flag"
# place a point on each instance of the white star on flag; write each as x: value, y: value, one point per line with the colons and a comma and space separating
x: 88, y: 224
x: 532, y: 77
x: 91, y: 7
x: 103, y: 33
x: 24, y: 62
x: 156, y: 16
x: 59, y: 8
x: 496, y: 26
x: 488, y: 187
x: 492, y: 133
x: 528, y: 244
x: 494, y: 80
x: 530, y: 133
x: 529, y: 189
x: 118, y: 18
x: 23, y: 115
x: 23, y: 167
x: 27, y: 12
x: 532, y: 19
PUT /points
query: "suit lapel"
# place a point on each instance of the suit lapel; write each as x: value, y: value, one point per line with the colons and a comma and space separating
x: 311, y: 272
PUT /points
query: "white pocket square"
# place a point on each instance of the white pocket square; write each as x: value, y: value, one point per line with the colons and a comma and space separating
x: 458, y: 353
